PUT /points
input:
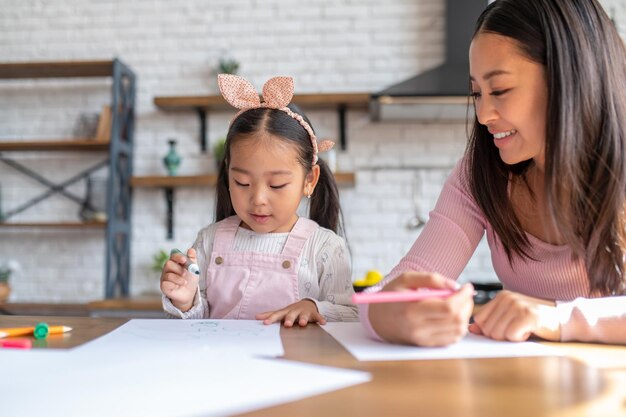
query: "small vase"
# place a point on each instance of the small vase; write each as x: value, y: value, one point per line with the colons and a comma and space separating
x: 5, y: 291
x: 172, y: 159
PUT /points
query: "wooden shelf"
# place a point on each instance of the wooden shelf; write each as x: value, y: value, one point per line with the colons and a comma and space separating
x: 56, y: 69
x: 351, y: 100
x: 44, y: 309
x: 59, y: 225
x: 173, y: 181
x: 150, y: 303
x: 55, y: 145
x: 203, y: 104
x: 169, y: 183
x: 342, y: 178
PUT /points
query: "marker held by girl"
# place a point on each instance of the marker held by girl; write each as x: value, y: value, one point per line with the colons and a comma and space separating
x: 189, y: 266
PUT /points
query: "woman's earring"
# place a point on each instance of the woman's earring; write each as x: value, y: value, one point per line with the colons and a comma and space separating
x: 308, y: 196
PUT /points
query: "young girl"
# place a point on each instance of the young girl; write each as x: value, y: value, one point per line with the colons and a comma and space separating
x: 544, y: 175
x: 260, y: 260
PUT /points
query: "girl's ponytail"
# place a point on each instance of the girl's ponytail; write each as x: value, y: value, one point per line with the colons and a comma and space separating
x: 324, y: 206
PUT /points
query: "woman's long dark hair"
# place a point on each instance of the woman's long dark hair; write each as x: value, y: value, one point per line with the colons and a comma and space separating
x: 585, y: 172
x: 324, y: 206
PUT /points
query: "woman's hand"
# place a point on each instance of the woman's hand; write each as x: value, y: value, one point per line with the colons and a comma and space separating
x: 432, y: 322
x: 514, y: 317
x: 177, y: 283
x: 301, y: 312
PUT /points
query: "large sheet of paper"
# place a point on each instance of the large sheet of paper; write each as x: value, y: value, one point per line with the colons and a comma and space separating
x: 164, y: 381
x: 353, y: 337
x: 247, y: 337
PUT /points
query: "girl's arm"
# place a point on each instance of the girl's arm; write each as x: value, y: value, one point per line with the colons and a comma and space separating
x: 593, y: 319
x: 200, y: 309
x: 335, y: 282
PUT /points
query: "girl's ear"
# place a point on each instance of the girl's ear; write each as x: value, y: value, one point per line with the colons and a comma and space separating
x: 311, y: 180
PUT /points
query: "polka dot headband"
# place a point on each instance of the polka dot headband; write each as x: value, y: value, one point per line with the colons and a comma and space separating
x: 277, y: 94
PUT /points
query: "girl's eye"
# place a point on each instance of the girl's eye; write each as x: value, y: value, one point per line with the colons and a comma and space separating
x: 278, y: 187
x: 475, y: 95
x: 240, y: 184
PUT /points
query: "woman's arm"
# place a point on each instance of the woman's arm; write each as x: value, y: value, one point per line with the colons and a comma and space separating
x: 593, y: 319
x: 443, y: 249
x: 515, y: 317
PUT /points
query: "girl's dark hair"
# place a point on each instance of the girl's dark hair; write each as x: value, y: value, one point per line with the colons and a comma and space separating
x: 585, y: 171
x: 324, y: 206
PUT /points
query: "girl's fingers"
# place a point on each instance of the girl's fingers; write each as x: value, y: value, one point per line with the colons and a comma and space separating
x: 174, y: 267
x: 191, y: 254
x: 264, y: 315
x: 275, y: 317
x: 175, y: 279
x: 291, y: 317
x: 168, y: 287
x: 319, y: 318
x: 304, y: 319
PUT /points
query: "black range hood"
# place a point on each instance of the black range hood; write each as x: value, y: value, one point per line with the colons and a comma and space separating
x: 442, y: 92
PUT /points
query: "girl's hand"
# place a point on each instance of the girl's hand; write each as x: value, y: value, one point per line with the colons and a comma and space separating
x: 301, y: 312
x: 432, y: 322
x: 514, y: 317
x: 177, y: 283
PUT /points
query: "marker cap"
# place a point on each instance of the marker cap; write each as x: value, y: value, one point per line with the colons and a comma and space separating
x: 41, y: 331
x: 194, y: 269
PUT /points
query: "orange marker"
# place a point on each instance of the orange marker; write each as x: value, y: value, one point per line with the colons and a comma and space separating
x: 39, y: 332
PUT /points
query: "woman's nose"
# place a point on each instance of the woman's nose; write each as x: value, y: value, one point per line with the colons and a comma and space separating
x: 485, y: 111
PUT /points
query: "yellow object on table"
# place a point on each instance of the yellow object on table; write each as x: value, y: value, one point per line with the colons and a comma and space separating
x: 372, y: 277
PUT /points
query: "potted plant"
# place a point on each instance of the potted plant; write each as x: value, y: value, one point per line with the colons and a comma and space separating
x: 228, y: 65
x: 159, y: 259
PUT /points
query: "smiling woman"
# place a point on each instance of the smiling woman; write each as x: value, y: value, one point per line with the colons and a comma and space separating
x: 544, y: 175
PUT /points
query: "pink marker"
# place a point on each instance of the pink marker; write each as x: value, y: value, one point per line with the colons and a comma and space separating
x: 400, y: 296
x: 16, y: 343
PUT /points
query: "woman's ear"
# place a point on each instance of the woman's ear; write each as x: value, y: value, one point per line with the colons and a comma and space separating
x: 311, y: 180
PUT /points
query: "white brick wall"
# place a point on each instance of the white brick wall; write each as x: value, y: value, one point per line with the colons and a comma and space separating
x: 174, y: 47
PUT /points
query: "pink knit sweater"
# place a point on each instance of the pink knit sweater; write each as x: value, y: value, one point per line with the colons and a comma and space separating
x: 450, y: 237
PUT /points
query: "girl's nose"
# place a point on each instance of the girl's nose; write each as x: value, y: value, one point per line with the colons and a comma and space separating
x: 259, y: 196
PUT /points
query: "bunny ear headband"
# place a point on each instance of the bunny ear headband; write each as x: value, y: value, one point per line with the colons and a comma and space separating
x: 277, y: 93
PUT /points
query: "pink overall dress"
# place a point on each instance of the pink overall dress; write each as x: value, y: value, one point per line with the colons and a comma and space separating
x: 243, y: 284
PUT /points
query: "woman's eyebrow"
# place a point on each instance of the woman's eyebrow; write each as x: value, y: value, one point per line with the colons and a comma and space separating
x: 492, y: 74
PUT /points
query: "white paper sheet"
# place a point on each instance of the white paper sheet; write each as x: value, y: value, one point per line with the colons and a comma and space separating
x: 248, y: 337
x: 89, y: 383
x: 353, y: 337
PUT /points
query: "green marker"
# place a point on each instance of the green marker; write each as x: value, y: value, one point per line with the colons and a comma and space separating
x: 190, y: 266
x: 41, y: 331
